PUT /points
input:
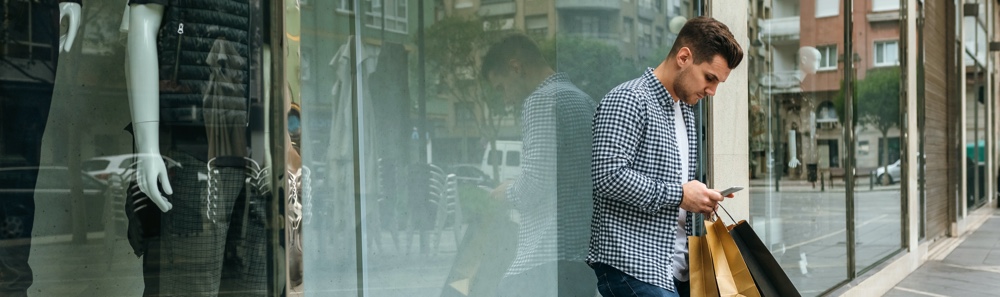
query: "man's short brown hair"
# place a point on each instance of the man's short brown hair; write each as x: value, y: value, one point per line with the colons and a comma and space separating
x: 707, y: 37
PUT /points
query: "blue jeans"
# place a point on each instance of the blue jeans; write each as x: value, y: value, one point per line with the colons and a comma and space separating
x: 611, y: 282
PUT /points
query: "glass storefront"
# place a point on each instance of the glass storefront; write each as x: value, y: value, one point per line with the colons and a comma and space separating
x: 825, y: 142
x: 73, y: 219
x: 413, y: 147
x: 438, y: 166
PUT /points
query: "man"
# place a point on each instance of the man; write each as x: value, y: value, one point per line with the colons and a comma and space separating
x: 552, y: 195
x: 643, y: 165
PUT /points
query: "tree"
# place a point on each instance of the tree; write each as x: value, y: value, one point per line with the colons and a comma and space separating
x: 878, y: 104
x: 592, y: 64
x: 454, y: 47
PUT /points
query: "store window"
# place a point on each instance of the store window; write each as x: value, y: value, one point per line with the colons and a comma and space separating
x: 409, y: 146
x: 816, y: 160
x: 140, y: 174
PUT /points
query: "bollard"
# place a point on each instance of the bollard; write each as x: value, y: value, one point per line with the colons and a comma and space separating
x: 822, y: 183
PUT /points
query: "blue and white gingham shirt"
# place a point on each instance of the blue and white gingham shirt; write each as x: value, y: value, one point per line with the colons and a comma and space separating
x: 553, y: 192
x: 636, y: 168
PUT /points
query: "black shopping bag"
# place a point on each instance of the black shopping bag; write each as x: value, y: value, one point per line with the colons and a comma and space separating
x: 771, y: 280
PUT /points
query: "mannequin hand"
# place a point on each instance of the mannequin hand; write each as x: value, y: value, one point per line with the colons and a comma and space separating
x: 71, y: 10
x: 794, y: 162
x: 150, y: 171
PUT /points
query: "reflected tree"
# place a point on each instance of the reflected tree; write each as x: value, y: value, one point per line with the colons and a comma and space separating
x: 878, y: 104
x: 454, y: 46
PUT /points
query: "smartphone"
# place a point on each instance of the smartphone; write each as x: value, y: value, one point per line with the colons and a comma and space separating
x: 730, y: 190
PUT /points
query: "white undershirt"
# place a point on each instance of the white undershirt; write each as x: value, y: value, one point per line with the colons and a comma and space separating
x: 681, y: 243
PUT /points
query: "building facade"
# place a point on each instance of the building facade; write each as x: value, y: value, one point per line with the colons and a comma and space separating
x: 362, y: 146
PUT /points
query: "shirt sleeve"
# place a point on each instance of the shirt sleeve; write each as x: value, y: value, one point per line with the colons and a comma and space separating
x: 618, y: 132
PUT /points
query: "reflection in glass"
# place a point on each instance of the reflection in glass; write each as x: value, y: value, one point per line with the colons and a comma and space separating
x: 68, y: 151
x: 436, y: 174
x: 797, y: 146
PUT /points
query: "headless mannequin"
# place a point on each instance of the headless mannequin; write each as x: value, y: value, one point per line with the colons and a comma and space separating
x: 143, y: 87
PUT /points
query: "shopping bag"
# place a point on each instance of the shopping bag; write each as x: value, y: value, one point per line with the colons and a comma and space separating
x: 771, y: 280
x: 731, y: 272
x: 700, y: 268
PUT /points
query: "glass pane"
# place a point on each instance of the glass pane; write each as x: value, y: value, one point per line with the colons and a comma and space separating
x: 975, y: 145
x: 878, y: 153
x: 797, y: 147
x: 430, y: 176
x: 65, y: 134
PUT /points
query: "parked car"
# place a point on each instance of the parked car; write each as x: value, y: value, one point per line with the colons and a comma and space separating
x: 884, y: 178
x: 472, y: 175
x: 101, y: 168
x: 54, y: 202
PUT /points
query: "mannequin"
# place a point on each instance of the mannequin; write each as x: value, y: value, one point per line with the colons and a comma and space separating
x: 143, y: 23
x: 189, y: 86
x: 143, y: 86
x: 809, y: 59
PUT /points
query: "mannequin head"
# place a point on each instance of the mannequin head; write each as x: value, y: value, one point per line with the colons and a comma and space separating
x: 809, y: 59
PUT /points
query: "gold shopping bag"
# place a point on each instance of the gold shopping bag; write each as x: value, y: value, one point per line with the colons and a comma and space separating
x: 731, y: 272
x: 701, y: 269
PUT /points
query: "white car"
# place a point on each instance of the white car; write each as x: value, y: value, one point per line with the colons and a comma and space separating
x: 103, y: 167
x: 893, y: 176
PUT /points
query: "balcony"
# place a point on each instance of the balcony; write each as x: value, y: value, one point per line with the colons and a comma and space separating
x: 779, y: 29
x: 589, y: 4
x: 781, y: 81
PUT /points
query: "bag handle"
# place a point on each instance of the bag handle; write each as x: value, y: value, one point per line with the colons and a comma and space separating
x: 725, y: 211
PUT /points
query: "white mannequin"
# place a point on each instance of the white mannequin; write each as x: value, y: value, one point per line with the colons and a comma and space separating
x: 71, y: 10
x: 144, y: 98
x: 793, y: 156
x: 809, y: 59
x: 144, y: 92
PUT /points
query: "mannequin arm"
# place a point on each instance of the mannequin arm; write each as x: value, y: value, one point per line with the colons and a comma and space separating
x: 72, y: 11
x: 144, y: 98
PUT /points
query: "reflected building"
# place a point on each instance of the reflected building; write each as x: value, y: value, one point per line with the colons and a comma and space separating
x: 804, y: 101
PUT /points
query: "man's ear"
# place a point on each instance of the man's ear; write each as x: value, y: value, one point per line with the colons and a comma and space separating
x: 684, y: 57
x: 515, y: 66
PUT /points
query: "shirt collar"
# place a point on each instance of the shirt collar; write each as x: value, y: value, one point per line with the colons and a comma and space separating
x: 554, y: 78
x: 659, y: 91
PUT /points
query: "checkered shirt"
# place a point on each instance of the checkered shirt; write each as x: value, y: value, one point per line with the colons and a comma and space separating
x: 636, y: 171
x: 553, y: 192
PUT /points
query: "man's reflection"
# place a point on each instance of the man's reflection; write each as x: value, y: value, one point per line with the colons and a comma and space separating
x: 553, y: 193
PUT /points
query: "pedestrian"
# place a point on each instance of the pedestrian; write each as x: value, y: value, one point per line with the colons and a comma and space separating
x: 644, y: 158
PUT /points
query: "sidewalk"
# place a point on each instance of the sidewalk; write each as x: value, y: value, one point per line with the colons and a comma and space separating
x: 972, y: 269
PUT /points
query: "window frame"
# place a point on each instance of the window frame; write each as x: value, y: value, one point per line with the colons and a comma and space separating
x: 876, y: 53
x: 832, y: 60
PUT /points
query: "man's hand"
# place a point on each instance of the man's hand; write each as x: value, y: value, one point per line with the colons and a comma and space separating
x: 700, y: 199
x: 500, y: 193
